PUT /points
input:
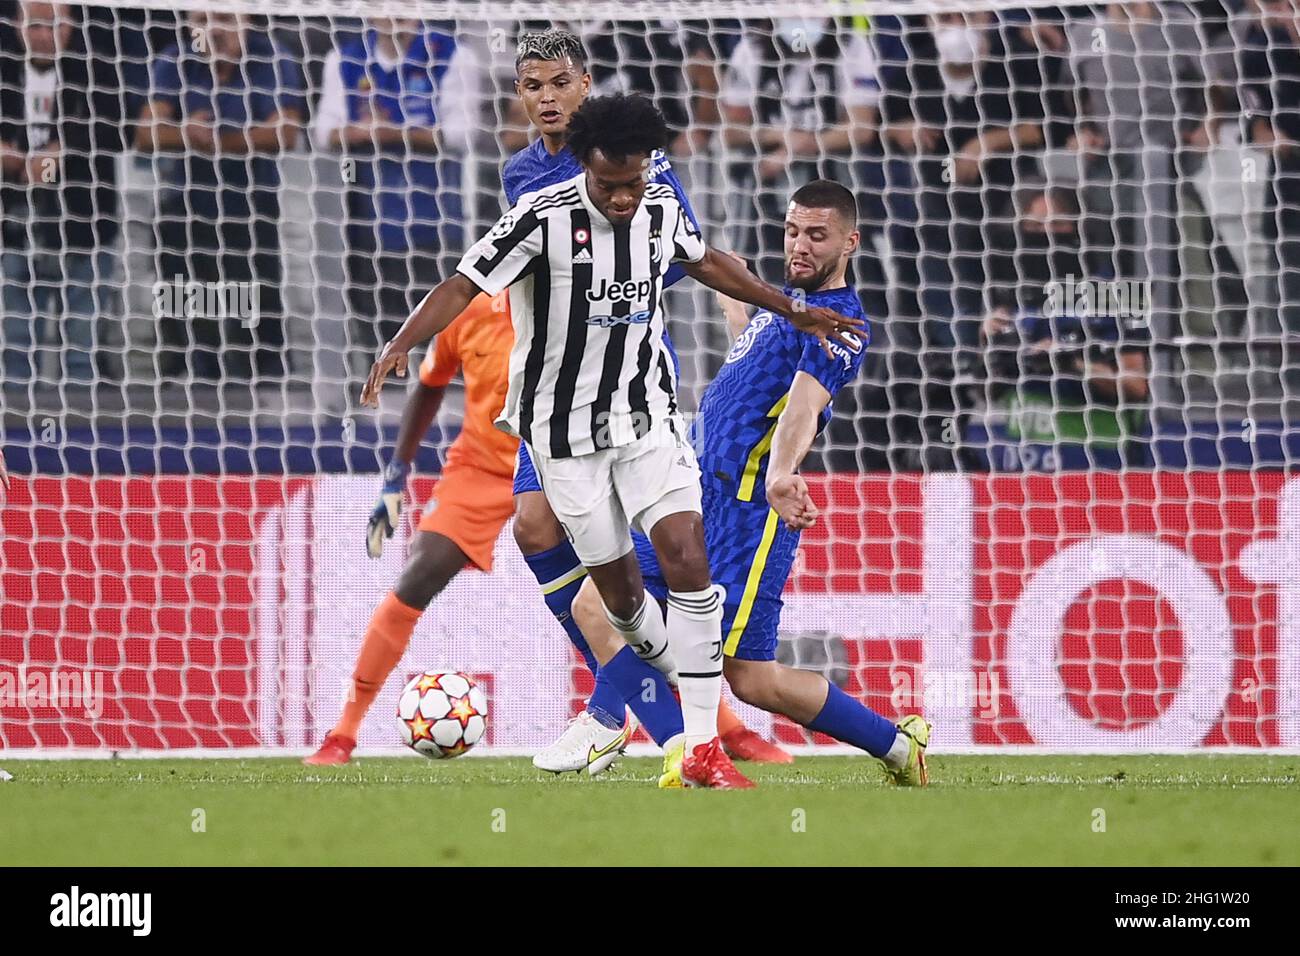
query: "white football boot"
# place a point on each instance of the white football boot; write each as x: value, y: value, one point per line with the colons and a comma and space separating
x: 586, y: 744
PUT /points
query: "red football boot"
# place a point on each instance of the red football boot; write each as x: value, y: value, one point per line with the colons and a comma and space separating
x: 709, y: 766
x: 334, y: 752
x: 741, y: 743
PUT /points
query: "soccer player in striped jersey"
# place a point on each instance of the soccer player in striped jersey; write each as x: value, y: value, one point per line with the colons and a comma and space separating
x: 552, y: 81
x: 757, y: 421
x: 593, y: 390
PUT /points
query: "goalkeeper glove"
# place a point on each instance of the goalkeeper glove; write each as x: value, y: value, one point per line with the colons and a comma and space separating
x: 388, y: 509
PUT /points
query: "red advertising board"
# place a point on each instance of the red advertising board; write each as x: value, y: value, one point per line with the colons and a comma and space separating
x: 1077, y: 612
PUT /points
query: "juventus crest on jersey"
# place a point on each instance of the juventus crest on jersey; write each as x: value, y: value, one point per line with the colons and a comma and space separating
x: 589, y: 368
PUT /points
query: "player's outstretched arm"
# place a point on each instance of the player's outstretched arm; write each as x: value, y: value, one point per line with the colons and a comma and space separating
x: 787, y: 492
x: 721, y: 273
x: 436, y: 311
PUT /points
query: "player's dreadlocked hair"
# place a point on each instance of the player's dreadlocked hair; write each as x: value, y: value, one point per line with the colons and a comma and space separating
x: 551, y: 44
x: 619, y: 126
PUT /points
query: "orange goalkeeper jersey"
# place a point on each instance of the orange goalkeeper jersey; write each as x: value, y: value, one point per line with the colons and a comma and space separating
x: 477, y: 342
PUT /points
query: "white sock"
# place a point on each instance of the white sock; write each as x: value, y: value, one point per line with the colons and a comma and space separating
x: 647, y: 635
x: 896, y: 758
x: 695, y: 624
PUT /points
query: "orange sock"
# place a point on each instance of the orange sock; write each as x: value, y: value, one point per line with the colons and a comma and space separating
x: 385, y: 643
x: 727, y: 719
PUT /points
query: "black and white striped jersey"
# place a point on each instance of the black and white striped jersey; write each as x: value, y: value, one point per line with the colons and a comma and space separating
x: 589, y: 368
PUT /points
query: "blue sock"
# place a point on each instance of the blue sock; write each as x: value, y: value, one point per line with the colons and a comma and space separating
x: 645, y: 690
x: 560, y: 574
x: 854, y: 723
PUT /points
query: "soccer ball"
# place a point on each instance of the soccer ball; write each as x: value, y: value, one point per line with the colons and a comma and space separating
x: 441, y: 714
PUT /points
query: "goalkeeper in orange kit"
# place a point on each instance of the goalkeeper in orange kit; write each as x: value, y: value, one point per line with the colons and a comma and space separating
x: 472, y: 500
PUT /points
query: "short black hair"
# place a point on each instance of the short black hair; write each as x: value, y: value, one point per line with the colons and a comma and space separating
x: 828, y: 194
x: 551, y: 44
x: 619, y: 126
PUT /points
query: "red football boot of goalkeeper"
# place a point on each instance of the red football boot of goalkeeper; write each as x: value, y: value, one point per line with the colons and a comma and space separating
x: 334, y: 752
x: 741, y: 743
x: 709, y: 766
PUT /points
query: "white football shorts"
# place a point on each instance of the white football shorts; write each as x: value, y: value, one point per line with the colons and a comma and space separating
x: 601, y: 497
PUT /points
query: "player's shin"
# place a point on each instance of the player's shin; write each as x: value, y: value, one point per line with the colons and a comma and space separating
x: 854, y: 723
x: 646, y: 691
x: 560, y: 575
x: 695, y: 623
x: 647, y: 635
x: 384, y: 644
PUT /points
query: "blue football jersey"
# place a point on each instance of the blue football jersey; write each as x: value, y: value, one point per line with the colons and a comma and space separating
x: 733, y: 432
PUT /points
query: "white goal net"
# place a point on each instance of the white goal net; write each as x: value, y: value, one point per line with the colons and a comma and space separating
x: 1057, y: 504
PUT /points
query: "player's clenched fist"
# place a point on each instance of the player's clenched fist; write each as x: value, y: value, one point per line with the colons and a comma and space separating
x: 388, y: 509
x: 389, y: 360
x: 788, y: 496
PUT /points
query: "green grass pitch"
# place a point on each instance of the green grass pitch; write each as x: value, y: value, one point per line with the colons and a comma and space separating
x: 979, y: 810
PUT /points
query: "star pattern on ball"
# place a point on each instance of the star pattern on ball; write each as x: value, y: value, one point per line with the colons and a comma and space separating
x: 462, y: 710
x: 456, y: 749
x: 428, y: 682
x: 421, y: 729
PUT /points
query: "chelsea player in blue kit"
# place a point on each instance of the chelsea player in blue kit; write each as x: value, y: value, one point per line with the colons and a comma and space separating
x: 757, y: 422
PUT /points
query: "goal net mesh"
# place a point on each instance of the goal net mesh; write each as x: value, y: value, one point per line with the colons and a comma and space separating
x: 1056, y: 501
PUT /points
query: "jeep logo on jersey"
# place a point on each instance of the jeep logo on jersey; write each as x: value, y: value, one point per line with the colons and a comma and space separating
x: 627, y: 291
